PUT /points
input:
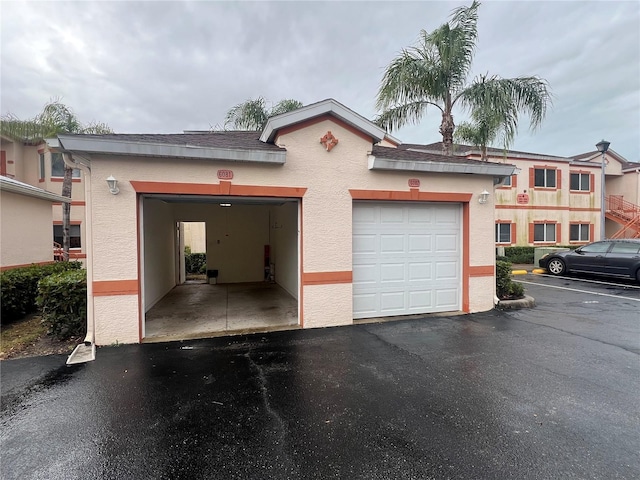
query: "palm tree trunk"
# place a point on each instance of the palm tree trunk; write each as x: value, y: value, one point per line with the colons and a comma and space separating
x: 66, y: 212
x: 446, y: 130
x: 484, y: 153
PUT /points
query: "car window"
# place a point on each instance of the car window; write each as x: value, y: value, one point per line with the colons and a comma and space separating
x: 625, y: 247
x: 598, y: 247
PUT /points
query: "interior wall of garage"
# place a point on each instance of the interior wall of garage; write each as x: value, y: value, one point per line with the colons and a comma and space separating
x: 284, y: 246
x: 159, y: 251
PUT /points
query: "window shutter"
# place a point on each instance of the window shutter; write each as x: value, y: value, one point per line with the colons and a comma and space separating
x: 531, y: 227
x: 591, y: 183
x: 558, y: 179
x: 513, y: 234
x: 514, y: 181
x: 532, y: 177
x: 558, y: 233
x: 592, y: 230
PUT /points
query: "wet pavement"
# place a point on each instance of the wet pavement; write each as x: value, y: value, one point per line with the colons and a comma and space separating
x: 546, y: 393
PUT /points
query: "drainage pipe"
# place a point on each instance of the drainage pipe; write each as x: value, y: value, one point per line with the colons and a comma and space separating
x: 84, y: 165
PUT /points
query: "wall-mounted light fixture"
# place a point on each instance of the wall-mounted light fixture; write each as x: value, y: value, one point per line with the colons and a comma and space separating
x: 113, y: 185
x: 483, y: 197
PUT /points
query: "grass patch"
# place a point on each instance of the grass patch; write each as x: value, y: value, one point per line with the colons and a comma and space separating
x: 20, y: 334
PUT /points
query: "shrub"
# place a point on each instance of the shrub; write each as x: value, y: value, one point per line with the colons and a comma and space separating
x: 19, y: 288
x: 195, y: 262
x: 63, y: 300
x: 505, y: 287
x: 519, y: 254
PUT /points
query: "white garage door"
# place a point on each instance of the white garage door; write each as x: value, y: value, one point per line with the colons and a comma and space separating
x: 407, y: 258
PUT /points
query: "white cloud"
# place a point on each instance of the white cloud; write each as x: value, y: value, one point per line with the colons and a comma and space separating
x: 169, y: 66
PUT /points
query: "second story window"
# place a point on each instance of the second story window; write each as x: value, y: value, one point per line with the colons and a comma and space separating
x: 544, y: 178
x: 57, y: 166
x: 41, y: 172
x: 580, y: 182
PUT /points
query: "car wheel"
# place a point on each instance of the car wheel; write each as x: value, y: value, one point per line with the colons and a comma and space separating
x: 556, y: 266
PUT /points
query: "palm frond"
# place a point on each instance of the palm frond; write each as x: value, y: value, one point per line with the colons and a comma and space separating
x: 249, y: 115
x: 396, y: 117
x: 284, y: 106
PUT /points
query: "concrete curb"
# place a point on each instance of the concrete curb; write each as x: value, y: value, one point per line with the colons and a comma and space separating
x: 526, y: 302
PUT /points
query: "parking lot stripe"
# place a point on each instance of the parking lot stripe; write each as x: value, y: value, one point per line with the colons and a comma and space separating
x: 580, y: 291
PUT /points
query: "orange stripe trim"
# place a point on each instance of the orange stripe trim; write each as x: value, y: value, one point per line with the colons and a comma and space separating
x: 301, y: 266
x: 73, y: 203
x: 223, y: 188
x: 534, y: 207
x: 73, y: 222
x: 60, y: 179
x: 103, y: 288
x: 327, y: 278
x: 481, y: 271
x: 322, y: 118
x: 412, y: 195
x: 466, y: 256
x: 22, y: 265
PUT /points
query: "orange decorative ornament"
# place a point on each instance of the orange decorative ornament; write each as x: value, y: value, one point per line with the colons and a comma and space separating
x: 329, y: 141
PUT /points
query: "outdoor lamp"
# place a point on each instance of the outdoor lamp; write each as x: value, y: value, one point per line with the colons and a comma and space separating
x: 113, y: 185
x: 483, y: 197
x: 602, y: 147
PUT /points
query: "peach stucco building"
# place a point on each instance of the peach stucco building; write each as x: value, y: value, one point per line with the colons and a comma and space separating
x: 25, y: 224
x: 349, y: 225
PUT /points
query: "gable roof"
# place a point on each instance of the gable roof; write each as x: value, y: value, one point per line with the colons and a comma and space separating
x: 325, y: 107
x: 14, y: 186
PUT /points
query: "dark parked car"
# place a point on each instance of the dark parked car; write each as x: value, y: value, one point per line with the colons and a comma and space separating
x: 616, y: 258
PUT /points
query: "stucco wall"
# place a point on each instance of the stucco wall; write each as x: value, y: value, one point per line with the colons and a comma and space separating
x: 159, y: 251
x: 284, y: 244
x: 25, y: 231
x: 195, y: 236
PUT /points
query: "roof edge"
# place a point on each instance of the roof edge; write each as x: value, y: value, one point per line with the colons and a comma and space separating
x: 14, y: 186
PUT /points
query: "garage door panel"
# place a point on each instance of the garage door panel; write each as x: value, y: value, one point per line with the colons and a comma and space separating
x: 392, y: 273
x: 421, y: 299
x: 447, y: 297
x: 406, y: 258
x: 419, y: 243
x: 447, y: 243
x: 392, y: 302
x: 365, y: 243
x: 447, y: 270
x: 366, y: 274
x: 420, y: 271
x: 392, y: 244
x: 391, y: 215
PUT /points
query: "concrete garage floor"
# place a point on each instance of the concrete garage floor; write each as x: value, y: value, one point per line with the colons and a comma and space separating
x: 195, y: 310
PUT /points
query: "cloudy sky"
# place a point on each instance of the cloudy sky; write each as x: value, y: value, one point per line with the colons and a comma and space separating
x: 160, y: 67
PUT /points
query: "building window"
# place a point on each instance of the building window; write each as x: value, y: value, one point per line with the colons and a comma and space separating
x: 579, y: 232
x: 544, y: 178
x: 74, y: 235
x: 544, y: 232
x: 57, y: 166
x: 581, y: 182
x: 42, y: 172
x: 507, y: 182
x: 503, y: 233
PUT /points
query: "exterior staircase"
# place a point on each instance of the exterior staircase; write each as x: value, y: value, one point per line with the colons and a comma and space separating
x: 626, y: 214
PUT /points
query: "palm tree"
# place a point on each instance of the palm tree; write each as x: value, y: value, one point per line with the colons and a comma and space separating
x: 54, y: 119
x: 253, y: 114
x: 435, y: 73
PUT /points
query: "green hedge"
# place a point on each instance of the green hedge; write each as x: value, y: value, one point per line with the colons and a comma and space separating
x: 63, y: 300
x: 505, y: 287
x: 519, y: 254
x: 19, y: 288
x: 195, y: 262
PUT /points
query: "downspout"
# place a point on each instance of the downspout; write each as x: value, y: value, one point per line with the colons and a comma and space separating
x: 88, y: 213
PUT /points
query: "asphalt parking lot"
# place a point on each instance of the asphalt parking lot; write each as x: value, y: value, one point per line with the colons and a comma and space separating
x: 546, y: 393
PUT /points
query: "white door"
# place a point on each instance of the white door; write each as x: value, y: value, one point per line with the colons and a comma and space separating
x: 407, y: 258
